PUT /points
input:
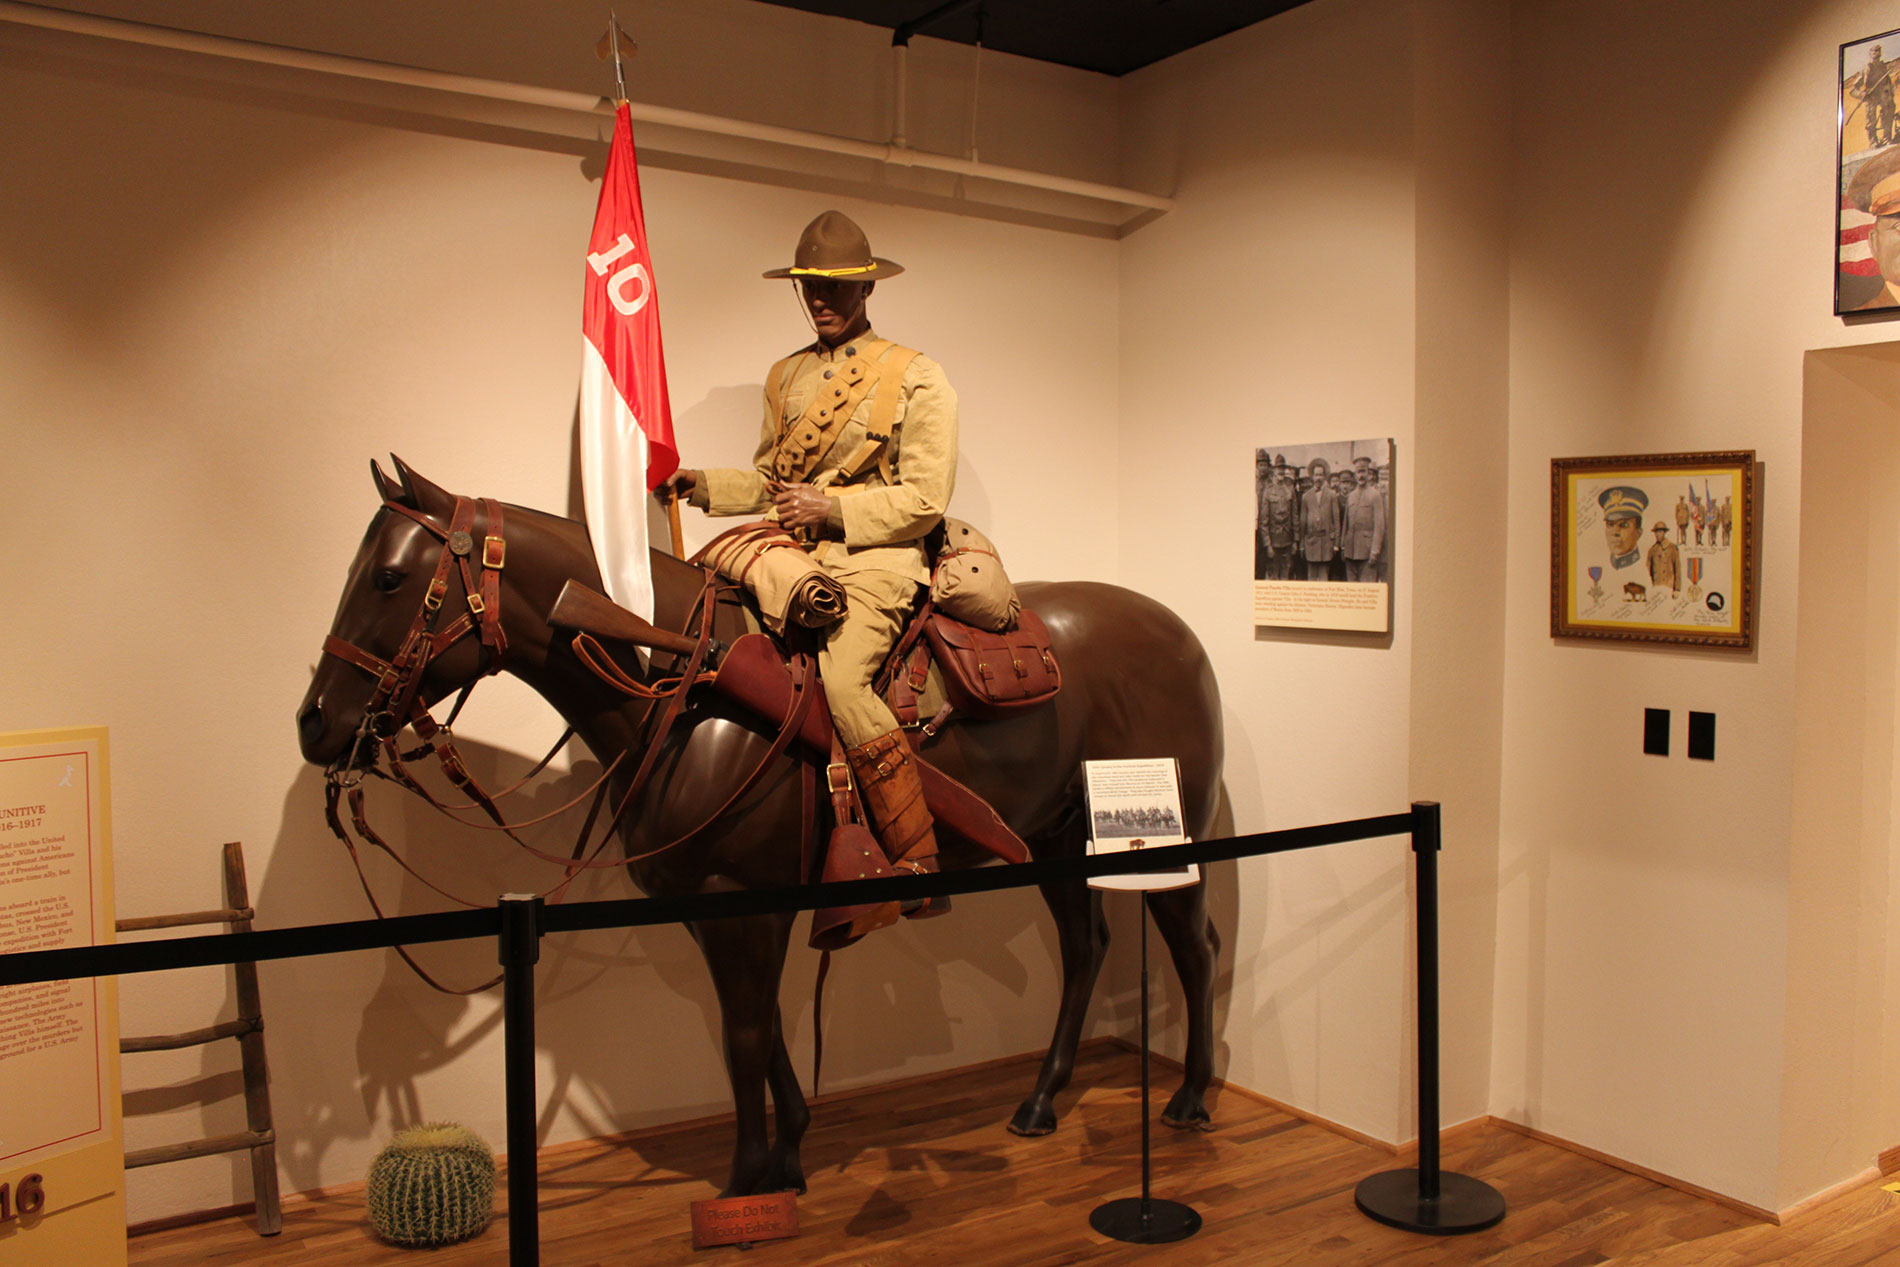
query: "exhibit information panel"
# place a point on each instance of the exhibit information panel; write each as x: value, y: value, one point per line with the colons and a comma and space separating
x: 1136, y: 804
x: 62, y: 1159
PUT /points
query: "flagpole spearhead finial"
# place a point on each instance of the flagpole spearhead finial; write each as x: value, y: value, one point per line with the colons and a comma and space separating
x: 616, y: 43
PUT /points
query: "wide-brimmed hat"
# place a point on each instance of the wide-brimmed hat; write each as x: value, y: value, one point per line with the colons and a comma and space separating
x: 834, y: 246
x: 1875, y: 186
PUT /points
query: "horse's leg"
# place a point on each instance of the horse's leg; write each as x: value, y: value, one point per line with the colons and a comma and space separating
x: 1181, y: 916
x: 784, y: 1171
x: 746, y: 956
x: 1083, y: 936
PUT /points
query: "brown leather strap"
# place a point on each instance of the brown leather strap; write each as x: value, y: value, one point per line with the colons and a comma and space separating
x: 330, y: 812
x: 884, y: 414
x: 804, y: 441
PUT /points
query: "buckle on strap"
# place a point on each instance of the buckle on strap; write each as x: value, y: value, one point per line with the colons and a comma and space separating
x: 837, y: 778
x: 494, y: 552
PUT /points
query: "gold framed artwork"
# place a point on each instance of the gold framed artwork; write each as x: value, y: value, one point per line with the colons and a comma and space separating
x: 1657, y: 548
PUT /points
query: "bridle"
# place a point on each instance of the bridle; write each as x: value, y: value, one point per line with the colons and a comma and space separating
x: 399, y: 702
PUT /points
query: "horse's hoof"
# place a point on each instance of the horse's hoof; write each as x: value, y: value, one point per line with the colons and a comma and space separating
x: 787, y: 1177
x: 1033, y: 1119
x: 1186, y: 1112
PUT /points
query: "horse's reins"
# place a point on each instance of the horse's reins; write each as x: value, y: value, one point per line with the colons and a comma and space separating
x: 399, y: 702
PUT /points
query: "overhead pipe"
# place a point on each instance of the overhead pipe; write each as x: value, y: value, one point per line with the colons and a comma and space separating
x: 143, y: 33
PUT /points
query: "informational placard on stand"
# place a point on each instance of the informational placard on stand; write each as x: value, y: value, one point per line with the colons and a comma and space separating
x: 1136, y: 804
x: 62, y: 1158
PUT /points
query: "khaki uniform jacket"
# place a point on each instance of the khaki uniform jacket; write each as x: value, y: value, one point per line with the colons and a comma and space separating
x: 1276, y: 515
x: 1665, y: 565
x: 885, y: 522
x: 1363, y: 536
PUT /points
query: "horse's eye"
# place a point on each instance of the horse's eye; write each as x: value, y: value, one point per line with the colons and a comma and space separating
x: 388, y: 580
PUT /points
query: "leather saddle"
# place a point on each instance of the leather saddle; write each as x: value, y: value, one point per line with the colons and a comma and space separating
x: 979, y: 674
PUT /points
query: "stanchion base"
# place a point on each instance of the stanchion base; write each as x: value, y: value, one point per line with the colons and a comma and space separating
x: 1463, y: 1204
x: 1149, y: 1222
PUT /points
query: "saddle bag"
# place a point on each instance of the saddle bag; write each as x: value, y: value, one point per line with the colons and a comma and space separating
x: 994, y: 675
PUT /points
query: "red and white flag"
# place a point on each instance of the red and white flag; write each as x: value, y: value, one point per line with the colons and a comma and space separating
x: 627, y: 447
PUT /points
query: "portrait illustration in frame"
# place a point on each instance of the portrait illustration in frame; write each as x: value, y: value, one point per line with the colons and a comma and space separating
x: 1867, y: 168
x: 1655, y: 548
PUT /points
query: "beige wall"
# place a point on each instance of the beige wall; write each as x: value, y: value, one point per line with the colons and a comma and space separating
x: 1668, y: 274
x: 221, y: 301
x: 1267, y: 310
x: 1498, y: 233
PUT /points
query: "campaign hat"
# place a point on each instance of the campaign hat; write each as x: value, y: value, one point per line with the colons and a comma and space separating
x: 1621, y: 501
x: 1875, y: 187
x: 1660, y: 527
x: 834, y: 246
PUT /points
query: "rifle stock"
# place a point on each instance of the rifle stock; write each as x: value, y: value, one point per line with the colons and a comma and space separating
x: 589, y: 611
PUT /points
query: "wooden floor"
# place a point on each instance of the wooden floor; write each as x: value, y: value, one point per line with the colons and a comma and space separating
x: 927, y: 1174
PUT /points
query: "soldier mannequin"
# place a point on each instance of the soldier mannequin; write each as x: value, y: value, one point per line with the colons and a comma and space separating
x: 864, y: 518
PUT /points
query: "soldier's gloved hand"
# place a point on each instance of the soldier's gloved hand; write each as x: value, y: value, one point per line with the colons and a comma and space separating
x: 800, y: 506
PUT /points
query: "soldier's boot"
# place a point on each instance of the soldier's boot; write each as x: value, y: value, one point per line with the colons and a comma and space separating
x: 893, y: 796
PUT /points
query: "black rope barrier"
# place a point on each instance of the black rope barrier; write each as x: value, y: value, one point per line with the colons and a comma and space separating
x: 1424, y: 1199
x: 125, y: 958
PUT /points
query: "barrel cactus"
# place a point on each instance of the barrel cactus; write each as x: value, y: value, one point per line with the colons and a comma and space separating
x: 431, y: 1185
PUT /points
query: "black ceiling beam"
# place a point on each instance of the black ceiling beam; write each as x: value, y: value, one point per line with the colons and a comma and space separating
x: 902, y: 34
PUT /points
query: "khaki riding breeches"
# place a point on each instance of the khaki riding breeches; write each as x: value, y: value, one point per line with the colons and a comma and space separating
x: 876, y: 606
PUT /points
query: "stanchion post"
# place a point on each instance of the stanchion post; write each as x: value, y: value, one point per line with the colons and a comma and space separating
x: 1145, y: 1220
x: 1426, y: 842
x: 1427, y: 1199
x: 520, y: 949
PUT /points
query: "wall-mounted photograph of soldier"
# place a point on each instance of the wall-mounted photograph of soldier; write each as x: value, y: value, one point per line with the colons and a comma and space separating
x: 1323, y: 535
x: 1867, y: 162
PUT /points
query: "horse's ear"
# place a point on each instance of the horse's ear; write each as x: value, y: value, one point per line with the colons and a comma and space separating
x: 419, y: 492
x: 389, y: 490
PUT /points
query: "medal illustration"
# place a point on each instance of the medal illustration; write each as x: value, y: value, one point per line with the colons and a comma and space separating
x: 1596, y: 590
x: 1695, y: 578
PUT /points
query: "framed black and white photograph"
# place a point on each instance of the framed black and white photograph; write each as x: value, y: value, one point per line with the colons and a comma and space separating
x: 1323, y: 535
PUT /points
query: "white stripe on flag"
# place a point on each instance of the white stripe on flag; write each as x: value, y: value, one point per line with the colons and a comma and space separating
x: 614, y: 486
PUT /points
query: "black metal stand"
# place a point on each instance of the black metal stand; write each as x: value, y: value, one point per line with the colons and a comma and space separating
x: 1144, y: 1220
x: 520, y: 949
x: 1427, y: 1199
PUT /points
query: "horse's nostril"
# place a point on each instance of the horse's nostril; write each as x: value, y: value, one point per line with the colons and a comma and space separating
x: 310, y: 724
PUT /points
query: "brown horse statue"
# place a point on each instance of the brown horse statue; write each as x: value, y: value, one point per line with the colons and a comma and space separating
x: 1136, y: 683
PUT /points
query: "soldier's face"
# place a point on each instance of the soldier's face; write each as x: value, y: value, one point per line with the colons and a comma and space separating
x: 833, y: 303
x: 1884, y: 244
x: 1623, y: 534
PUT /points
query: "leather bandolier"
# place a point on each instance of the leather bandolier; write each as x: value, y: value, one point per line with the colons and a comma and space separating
x: 805, y: 441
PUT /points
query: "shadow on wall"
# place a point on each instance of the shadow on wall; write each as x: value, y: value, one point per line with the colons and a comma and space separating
x: 1649, y: 218
x: 617, y: 1053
